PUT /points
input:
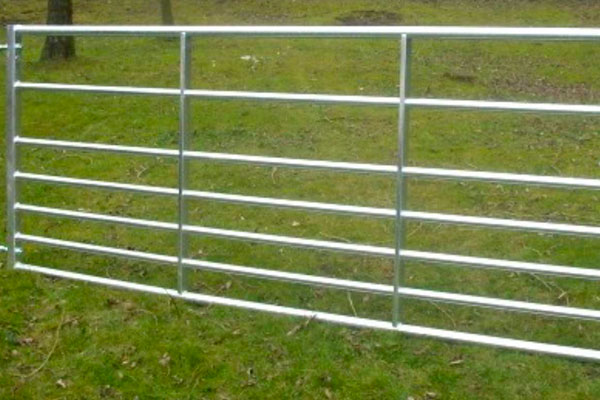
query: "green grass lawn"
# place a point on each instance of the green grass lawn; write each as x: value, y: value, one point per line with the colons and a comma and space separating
x: 63, y: 339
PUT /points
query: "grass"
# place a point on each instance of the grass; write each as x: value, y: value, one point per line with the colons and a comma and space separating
x: 61, y: 339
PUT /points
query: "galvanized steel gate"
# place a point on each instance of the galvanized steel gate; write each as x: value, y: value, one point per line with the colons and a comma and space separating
x: 403, y: 102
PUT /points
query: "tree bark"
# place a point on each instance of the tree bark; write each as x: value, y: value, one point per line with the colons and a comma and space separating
x: 166, y: 12
x: 60, y: 12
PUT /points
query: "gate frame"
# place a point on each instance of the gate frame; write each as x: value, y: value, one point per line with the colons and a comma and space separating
x: 403, y: 102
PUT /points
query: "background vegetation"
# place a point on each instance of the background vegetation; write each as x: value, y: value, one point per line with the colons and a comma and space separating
x: 61, y: 339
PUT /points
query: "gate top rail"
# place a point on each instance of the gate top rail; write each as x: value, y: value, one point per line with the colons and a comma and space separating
x: 449, y: 32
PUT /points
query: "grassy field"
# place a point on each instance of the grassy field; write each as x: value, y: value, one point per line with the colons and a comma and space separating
x: 62, y: 339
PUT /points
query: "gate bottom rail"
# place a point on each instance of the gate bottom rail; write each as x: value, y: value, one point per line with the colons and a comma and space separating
x: 414, y: 330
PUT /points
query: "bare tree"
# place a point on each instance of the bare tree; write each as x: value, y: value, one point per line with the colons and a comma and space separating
x: 166, y: 12
x: 60, y: 12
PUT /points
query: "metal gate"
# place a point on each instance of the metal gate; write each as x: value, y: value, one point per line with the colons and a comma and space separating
x: 397, y: 290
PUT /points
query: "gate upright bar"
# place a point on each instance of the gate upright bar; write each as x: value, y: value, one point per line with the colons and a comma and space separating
x: 404, y: 103
x: 13, y: 126
x: 404, y: 82
x: 184, y: 83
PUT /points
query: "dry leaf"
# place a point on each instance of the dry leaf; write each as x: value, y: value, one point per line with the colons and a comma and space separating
x: 457, y: 361
x: 25, y: 341
x: 61, y: 383
x: 164, y: 360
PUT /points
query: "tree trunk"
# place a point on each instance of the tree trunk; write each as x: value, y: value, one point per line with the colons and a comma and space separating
x: 166, y: 12
x: 60, y: 12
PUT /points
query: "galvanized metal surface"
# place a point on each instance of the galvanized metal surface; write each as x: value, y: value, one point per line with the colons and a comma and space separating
x: 448, y: 32
x: 4, y: 47
x: 13, y: 119
x: 185, y: 60
x: 182, y: 262
x: 401, y: 148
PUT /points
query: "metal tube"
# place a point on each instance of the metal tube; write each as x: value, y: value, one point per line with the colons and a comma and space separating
x: 294, y: 97
x: 292, y: 162
x: 184, y: 118
x: 64, y: 87
x: 119, y: 149
x: 507, y: 265
x: 406, y: 292
x: 402, y: 142
x: 13, y: 122
x: 228, y: 198
x: 416, y: 255
x: 87, y: 216
x: 416, y: 172
x: 320, y: 98
x: 335, y: 283
x: 4, y: 47
x: 213, y: 232
x: 89, y: 183
x: 505, y: 106
x: 497, y: 223
x: 503, y: 177
x: 323, y: 245
x: 342, y: 209
x: 95, y: 249
x: 293, y: 204
x: 462, y: 337
x: 212, y: 94
x: 199, y: 155
x: 500, y: 223
x: 449, y: 32
x: 291, y: 241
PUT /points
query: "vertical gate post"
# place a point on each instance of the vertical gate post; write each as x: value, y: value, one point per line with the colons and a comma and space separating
x: 13, y: 126
x: 404, y: 79
x: 184, y: 82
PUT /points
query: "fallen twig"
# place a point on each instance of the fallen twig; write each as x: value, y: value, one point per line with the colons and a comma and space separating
x: 543, y: 282
x: 351, y: 304
x: 54, y: 345
x: 303, y: 325
x: 446, y: 313
x: 273, y: 172
x: 336, y: 238
x: 144, y: 311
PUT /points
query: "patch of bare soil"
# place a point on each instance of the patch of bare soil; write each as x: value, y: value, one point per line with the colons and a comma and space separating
x: 541, y: 88
x: 460, y: 77
x: 369, y: 17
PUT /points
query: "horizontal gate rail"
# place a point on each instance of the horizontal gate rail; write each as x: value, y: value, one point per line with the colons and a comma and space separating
x: 420, y: 331
x: 403, y: 102
x: 374, y: 288
x: 320, y: 98
x: 89, y: 183
x: 486, y: 222
x: 475, y: 262
x: 417, y: 172
x: 448, y: 32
